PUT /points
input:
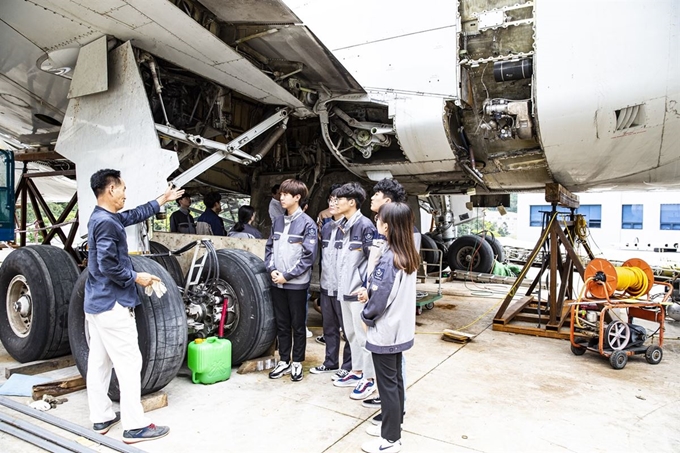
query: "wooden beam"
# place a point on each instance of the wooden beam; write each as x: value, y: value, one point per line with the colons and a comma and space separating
x: 154, y: 401
x: 44, y: 174
x: 556, y: 193
x: 513, y: 309
x: 60, y: 387
x: 37, y: 155
x: 531, y: 331
x: 41, y: 366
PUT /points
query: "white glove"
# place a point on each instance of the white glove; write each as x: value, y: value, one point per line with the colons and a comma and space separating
x: 41, y: 405
x: 157, y: 287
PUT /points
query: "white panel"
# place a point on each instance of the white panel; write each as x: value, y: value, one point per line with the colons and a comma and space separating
x: 397, y: 45
x: 115, y: 129
x: 354, y: 22
x: 129, y: 16
x: 91, y: 74
x: 100, y: 6
x: 179, y: 39
x: 420, y: 129
x: 44, y: 28
x: 419, y: 63
x: 581, y: 80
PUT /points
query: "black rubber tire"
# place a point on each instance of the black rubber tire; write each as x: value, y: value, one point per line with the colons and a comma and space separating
x: 170, y: 263
x: 426, y: 242
x: 445, y: 254
x: 49, y: 274
x: 618, y: 360
x: 577, y: 350
x: 255, y: 328
x: 496, y: 246
x: 161, y: 330
x: 470, y: 253
x: 653, y: 355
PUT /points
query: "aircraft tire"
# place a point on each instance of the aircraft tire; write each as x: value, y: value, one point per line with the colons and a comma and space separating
x: 161, y: 330
x: 496, y: 246
x: 170, y: 263
x: 426, y: 242
x: 37, y: 280
x: 470, y: 253
x: 250, y: 326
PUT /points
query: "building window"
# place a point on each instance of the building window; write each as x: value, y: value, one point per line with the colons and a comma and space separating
x: 670, y: 217
x: 536, y: 215
x: 631, y: 217
x: 592, y: 213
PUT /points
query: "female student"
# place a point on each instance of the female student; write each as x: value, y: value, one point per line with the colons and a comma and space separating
x: 244, y: 227
x: 389, y: 314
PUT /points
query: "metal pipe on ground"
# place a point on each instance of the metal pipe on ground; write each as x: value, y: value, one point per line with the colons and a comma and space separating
x: 56, y: 441
x: 68, y: 426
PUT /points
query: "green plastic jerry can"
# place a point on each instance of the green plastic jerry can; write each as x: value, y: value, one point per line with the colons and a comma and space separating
x: 209, y: 360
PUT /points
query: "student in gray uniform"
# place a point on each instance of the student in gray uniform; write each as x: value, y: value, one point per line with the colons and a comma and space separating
x: 390, y: 316
x: 358, y: 232
x: 243, y: 228
x: 385, y: 191
x: 289, y: 256
x: 331, y: 312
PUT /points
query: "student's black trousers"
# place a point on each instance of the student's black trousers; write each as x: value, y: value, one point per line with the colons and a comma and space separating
x: 290, y: 311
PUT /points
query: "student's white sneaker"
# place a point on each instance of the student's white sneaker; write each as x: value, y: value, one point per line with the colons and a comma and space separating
x: 381, y: 445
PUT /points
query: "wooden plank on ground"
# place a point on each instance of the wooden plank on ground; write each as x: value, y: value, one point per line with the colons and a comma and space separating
x: 562, y: 335
x: 60, y: 387
x: 41, y: 366
x: 154, y: 401
x: 513, y: 309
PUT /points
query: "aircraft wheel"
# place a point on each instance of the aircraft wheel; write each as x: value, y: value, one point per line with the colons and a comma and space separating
x: 161, y: 330
x: 35, y: 286
x: 170, y: 263
x: 426, y: 242
x: 470, y: 253
x: 250, y: 324
x: 496, y: 246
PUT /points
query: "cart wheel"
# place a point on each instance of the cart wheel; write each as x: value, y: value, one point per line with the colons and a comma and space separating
x: 419, y: 310
x: 654, y: 354
x: 618, y: 360
x: 429, y: 306
x: 578, y: 350
x: 617, y: 335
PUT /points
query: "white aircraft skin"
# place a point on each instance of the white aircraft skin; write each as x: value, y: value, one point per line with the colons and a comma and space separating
x: 599, y: 112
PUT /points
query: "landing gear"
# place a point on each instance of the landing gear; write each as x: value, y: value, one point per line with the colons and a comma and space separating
x: 35, y: 287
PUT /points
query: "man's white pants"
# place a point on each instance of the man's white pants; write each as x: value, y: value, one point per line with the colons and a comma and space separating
x: 113, y: 343
x: 356, y: 336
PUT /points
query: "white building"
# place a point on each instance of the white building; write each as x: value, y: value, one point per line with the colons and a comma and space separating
x: 617, y: 220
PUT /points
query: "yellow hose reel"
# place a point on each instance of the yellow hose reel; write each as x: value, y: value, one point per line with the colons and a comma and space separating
x: 635, y: 278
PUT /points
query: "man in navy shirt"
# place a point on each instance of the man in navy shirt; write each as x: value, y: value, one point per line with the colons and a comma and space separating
x: 210, y: 216
x: 110, y: 298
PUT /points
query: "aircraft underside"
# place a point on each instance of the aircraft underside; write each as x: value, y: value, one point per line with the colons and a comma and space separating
x: 507, y: 100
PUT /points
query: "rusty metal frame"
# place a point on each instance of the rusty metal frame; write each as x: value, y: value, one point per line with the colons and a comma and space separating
x: 26, y: 190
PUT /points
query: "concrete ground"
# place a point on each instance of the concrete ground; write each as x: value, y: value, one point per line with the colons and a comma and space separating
x: 500, y: 393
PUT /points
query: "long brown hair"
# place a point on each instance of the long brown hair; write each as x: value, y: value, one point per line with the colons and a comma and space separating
x: 399, y: 220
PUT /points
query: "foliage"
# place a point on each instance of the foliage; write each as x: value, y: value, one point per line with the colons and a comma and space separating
x: 498, y: 230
